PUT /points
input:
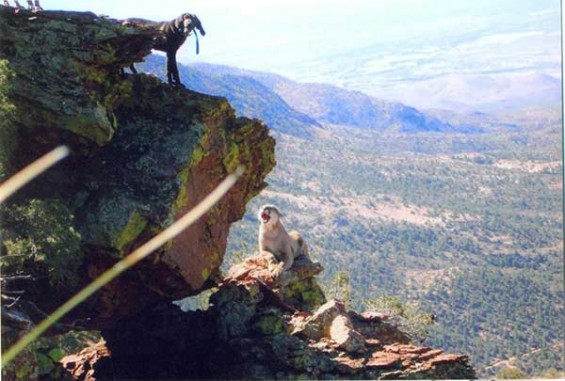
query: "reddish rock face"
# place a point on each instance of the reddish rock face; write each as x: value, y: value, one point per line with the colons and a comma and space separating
x: 82, y: 365
x: 199, y: 251
x: 212, y: 144
x: 383, y: 360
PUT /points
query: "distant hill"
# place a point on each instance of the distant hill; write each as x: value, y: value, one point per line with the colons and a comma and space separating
x: 334, y: 105
x: 247, y: 95
x: 485, y: 93
x: 296, y: 108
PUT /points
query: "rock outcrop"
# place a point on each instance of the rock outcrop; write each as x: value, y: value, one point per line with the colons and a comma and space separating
x: 143, y: 154
x: 252, y: 331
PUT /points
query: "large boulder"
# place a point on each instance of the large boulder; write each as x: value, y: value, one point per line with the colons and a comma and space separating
x: 143, y: 154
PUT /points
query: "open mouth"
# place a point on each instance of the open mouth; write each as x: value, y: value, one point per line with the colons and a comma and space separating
x: 265, y: 217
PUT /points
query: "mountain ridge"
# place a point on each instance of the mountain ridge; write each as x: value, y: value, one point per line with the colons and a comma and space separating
x: 330, y: 104
x: 265, y: 104
x: 307, y: 105
x: 299, y: 108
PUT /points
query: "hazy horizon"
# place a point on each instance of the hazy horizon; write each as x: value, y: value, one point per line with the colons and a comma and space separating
x: 385, y: 48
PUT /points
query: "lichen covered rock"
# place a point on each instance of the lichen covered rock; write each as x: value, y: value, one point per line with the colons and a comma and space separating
x: 250, y: 331
x: 318, y: 324
x: 297, y: 288
x: 143, y: 154
x: 66, y: 64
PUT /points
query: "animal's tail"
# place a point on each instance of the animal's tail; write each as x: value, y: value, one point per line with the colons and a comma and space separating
x: 197, y: 43
x: 303, y: 247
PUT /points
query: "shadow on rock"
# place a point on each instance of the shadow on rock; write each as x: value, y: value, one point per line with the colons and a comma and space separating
x: 259, y: 327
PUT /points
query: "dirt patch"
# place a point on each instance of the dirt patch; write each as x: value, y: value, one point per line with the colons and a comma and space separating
x: 528, y: 166
x: 355, y: 207
x: 423, y: 280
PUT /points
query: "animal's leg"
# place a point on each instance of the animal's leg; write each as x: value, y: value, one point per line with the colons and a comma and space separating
x: 29, y: 5
x: 172, y: 69
x: 285, y: 262
x: 37, y: 6
x: 169, y: 69
x: 288, y: 259
x: 176, y: 76
x: 6, y: 4
x: 132, y: 68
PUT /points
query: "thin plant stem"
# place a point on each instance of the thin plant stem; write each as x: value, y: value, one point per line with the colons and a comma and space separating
x: 143, y: 251
x: 39, y: 166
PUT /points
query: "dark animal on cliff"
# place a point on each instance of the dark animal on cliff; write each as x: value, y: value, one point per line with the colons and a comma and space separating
x: 30, y: 5
x: 172, y: 34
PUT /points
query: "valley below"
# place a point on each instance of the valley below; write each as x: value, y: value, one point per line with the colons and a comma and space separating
x: 465, y: 226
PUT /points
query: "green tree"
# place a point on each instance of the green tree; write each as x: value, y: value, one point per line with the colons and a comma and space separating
x: 40, y: 236
x: 7, y: 112
x: 341, y: 289
x: 412, y: 321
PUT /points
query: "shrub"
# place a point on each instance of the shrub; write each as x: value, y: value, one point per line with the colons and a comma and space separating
x: 407, y: 318
x: 510, y: 374
x: 39, y: 236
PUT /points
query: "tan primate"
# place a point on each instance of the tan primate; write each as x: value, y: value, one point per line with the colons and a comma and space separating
x: 274, y: 239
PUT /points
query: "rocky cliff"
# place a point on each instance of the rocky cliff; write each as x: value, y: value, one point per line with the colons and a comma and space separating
x: 258, y: 327
x: 143, y: 153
